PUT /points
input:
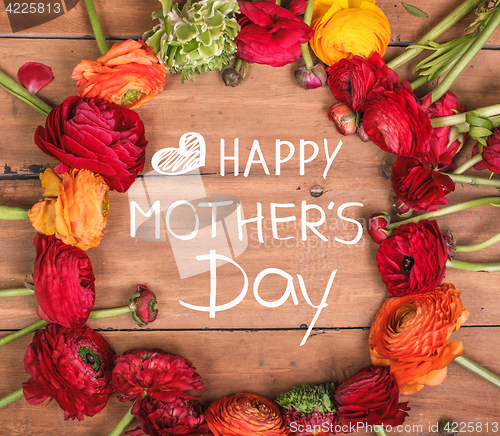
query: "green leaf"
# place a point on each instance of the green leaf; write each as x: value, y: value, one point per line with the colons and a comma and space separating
x: 476, y: 121
x: 186, y: 32
x: 416, y: 12
x: 479, y: 132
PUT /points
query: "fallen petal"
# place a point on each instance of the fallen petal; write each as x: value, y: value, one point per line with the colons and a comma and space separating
x: 34, y: 76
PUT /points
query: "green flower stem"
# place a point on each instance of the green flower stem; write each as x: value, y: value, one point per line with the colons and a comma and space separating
x: 305, y: 47
x: 474, y: 267
x: 440, y: 28
x: 96, y: 26
x: 25, y: 331
x: 19, y: 292
x: 446, y: 210
x: 452, y: 120
x: 379, y: 430
x: 95, y: 314
x: 478, y: 43
x: 109, y: 313
x: 278, y: 2
x: 477, y: 247
x: 122, y: 425
x: 13, y: 213
x: 419, y: 82
x: 478, y: 370
x: 237, y: 65
x: 477, y: 181
x: 468, y: 164
x: 8, y: 399
x: 23, y: 94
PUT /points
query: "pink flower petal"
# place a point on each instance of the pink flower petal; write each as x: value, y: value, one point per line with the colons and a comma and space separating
x: 34, y: 76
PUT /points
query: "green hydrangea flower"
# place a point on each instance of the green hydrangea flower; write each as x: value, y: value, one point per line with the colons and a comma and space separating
x: 197, y: 39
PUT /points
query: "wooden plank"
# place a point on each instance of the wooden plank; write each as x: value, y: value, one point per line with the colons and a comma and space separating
x: 125, y: 20
x: 269, y: 363
x: 206, y: 106
x: 357, y: 290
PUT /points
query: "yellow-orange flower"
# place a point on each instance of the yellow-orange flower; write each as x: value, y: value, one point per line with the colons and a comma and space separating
x: 78, y: 215
x: 128, y: 74
x: 411, y: 334
x: 343, y: 28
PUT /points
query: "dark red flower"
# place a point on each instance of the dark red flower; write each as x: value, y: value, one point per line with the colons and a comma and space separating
x: 64, y: 282
x: 310, y: 79
x: 270, y: 34
x: 144, y: 306
x: 446, y: 141
x: 178, y: 417
x: 301, y: 424
x: 394, y: 121
x: 491, y: 153
x: 34, y: 76
x: 413, y: 259
x: 377, y: 226
x: 92, y: 134
x: 71, y: 366
x: 161, y: 375
x: 352, y: 79
x: 419, y: 187
x: 370, y: 396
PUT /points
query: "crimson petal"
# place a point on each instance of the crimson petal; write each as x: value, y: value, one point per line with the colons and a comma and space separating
x: 34, y: 76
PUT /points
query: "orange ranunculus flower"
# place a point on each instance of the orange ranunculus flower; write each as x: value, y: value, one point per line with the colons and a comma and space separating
x: 78, y: 215
x: 245, y: 414
x: 411, y: 334
x: 343, y: 28
x: 128, y: 74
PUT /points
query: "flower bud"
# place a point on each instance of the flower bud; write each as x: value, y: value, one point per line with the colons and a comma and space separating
x: 343, y: 117
x: 378, y: 226
x: 231, y: 77
x: 143, y: 306
x: 311, y: 79
x: 451, y: 244
x: 403, y: 210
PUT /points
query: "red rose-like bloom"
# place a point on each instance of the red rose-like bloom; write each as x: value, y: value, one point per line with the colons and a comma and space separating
x: 352, y: 79
x: 377, y: 226
x: 161, y: 375
x: 92, y: 134
x: 445, y: 142
x: 178, y: 417
x: 370, y: 396
x: 245, y: 414
x: 270, y: 34
x: 419, y: 187
x: 72, y: 366
x: 395, y: 122
x: 413, y: 259
x: 64, y: 282
x: 491, y: 153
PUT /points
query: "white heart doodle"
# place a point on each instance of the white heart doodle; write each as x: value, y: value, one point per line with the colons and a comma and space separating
x: 189, y: 156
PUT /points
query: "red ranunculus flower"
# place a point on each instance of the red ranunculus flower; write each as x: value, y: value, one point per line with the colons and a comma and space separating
x: 413, y: 259
x: 71, y: 366
x: 64, y: 282
x: 352, y: 79
x: 370, y: 396
x: 491, y: 153
x: 144, y: 306
x: 92, y: 134
x: 245, y: 414
x: 394, y: 121
x: 377, y: 226
x: 161, y: 375
x: 178, y: 417
x: 446, y: 141
x: 419, y: 187
x: 270, y: 34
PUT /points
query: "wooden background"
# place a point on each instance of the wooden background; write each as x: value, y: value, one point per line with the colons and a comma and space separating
x: 249, y: 347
